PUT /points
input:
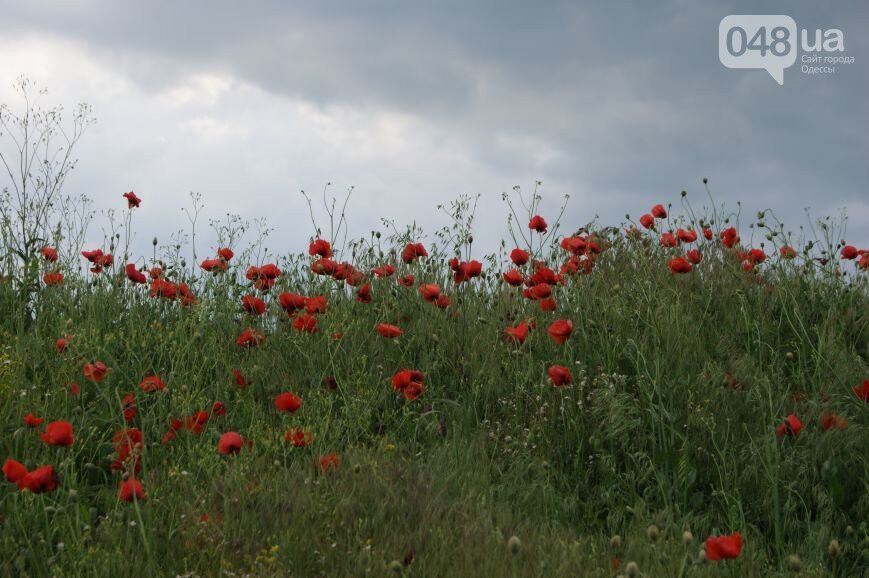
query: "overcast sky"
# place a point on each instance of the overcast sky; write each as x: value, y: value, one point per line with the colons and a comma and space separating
x: 619, y: 104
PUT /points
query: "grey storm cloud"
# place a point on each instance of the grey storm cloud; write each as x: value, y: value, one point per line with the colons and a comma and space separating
x: 620, y: 104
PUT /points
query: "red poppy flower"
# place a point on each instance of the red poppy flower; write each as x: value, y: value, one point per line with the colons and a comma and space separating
x: 548, y: 304
x: 305, y: 323
x: 13, y: 470
x: 679, y: 265
x: 539, y: 291
x: 409, y: 383
x: 849, y: 252
x: 559, y: 375
x: 93, y: 256
x: 58, y: 433
x: 723, y: 547
x: 134, y: 274
x: 128, y: 445
x: 787, y: 252
x: 659, y: 212
x: 407, y: 281
x: 560, y: 330
x: 387, y: 330
x: 831, y: 420
x: 74, y: 389
x: 250, y: 338
x: 517, y: 334
x: 330, y: 383
x: 49, y: 254
x: 288, y: 402
x: 574, y: 245
x: 694, y: 256
x: 40, y: 480
x: 291, y: 302
x: 384, y: 271
x: 53, y: 278
x: 213, y: 265
x: 686, y: 236
x: 151, y: 384
x: 412, y: 252
x: 253, y: 305
x: 430, y: 292
x: 218, y: 409
x: 325, y: 266
x: 163, y: 289
x: 669, y: 240
x: 229, y: 443
x: 538, y: 223
x: 315, y: 305
x: 195, y: 423
x: 225, y: 253
x: 320, y: 247
x: 128, y: 407
x: 62, y: 343
x: 298, y: 437
x: 443, y: 301
x: 647, y: 221
x: 95, y: 371
x: 862, y: 391
x: 729, y: 237
x: 31, y: 420
x: 363, y: 295
x: 240, y: 380
x: 513, y: 277
x: 330, y: 461
x: 133, y: 201
x: 131, y: 489
x: 519, y: 256
x: 791, y: 426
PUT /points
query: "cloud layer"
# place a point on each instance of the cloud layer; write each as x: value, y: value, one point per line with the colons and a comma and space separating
x: 620, y: 105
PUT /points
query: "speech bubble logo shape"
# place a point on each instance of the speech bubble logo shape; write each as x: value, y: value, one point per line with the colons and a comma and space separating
x: 767, y: 42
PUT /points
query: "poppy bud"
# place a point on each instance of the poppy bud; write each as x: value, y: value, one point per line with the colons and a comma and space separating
x: 684, y: 193
x: 652, y: 532
x: 701, y: 557
x: 514, y: 544
x: 705, y: 180
x: 154, y: 242
x: 833, y: 548
x: 616, y: 542
x: 395, y: 567
x: 632, y: 570
x: 794, y: 563
x: 687, y: 537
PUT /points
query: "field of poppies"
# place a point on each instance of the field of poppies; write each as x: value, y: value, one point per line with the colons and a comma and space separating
x: 684, y: 394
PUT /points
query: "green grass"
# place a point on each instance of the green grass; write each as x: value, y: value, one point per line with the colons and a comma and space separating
x: 679, y: 382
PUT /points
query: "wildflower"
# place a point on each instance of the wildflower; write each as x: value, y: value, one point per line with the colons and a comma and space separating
x: 407, y: 281
x: 133, y: 201
x: 288, y: 402
x: 559, y: 375
x: 32, y: 421
x: 58, y: 433
x: 862, y: 391
x: 152, y: 383
x: 723, y: 547
x: 659, y: 212
x: 513, y: 277
x: 131, y: 489
x: 409, y: 383
x: 791, y: 426
x: 305, y: 323
x: 560, y: 331
x: 250, y: 338
x: 320, y: 247
x: 330, y: 461
x: 538, y: 223
x: 831, y: 420
x: 517, y: 334
x: 53, y: 278
x: 514, y: 545
x: 253, y: 305
x: 134, y: 274
x: 363, y: 295
x: 679, y: 265
x: 42, y: 479
x: 225, y: 253
x: 430, y: 292
x: 298, y: 437
x: 49, y: 254
x: 229, y: 443
x: 647, y: 221
x: 13, y: 470
x: 519, y: 256
x: 849, y: 252
x: 412, y: 252
x: 240, y: 380
x: 388, y: 331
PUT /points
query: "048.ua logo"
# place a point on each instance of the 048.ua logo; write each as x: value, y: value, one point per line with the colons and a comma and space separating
x: 769, y: 42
